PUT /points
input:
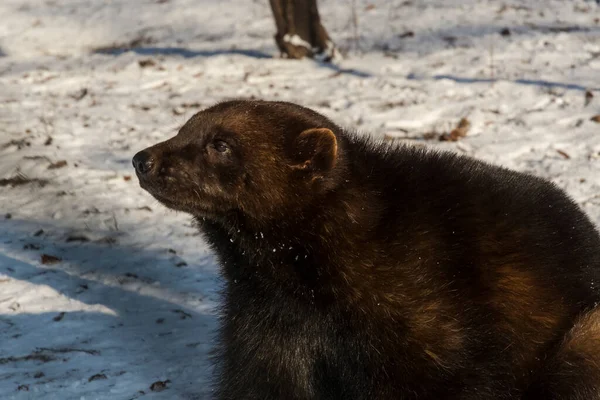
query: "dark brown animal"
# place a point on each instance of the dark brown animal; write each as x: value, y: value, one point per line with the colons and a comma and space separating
x: 357, y: 270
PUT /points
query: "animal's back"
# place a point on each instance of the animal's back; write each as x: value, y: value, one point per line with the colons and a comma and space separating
x: 492, y: 214
x: 508, y: 257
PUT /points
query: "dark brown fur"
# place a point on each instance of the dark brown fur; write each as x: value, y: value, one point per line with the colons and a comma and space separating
x: 357, y: 270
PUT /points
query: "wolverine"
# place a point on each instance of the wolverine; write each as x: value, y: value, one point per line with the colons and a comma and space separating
x: 355, y: 269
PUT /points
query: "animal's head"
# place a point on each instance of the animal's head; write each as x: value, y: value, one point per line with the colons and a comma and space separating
x: 261, y: 158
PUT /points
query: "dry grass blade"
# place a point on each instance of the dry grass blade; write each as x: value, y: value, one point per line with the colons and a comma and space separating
x: 21, y: 179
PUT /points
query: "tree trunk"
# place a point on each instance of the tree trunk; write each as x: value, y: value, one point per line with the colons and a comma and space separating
x: 299, y: 30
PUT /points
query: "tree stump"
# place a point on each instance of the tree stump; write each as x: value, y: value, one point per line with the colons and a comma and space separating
x: 299, y: 30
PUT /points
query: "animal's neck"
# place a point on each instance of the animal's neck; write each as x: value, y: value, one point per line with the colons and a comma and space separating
x: 302, y: 252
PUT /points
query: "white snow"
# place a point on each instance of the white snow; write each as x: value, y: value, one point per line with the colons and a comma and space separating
x: 296, y: 41
x: 135, y: 303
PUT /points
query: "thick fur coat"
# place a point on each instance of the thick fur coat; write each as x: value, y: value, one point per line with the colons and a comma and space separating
x: 357, y: 270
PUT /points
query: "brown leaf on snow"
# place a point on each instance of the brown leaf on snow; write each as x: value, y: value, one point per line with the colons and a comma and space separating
x: 80, y: 94
x: 77, y: 238
x: 588, y: 97
x: 48, y: 259
x: 459, y: 132
x: 58, y: 164
x: 596, y: 118
x: 146, y: 63
x: 562, y: 153
x: 195, y: 104
x: 97, y: 377
x: 159, y: 386
x: 59, y: 317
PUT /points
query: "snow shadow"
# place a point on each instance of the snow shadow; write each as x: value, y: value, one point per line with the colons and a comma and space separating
x: 182, y: 52
x: 341, y: 71
x: 426, y: 41
x: 529, y: 82
x: 187, y: 53
x: 137, y: 328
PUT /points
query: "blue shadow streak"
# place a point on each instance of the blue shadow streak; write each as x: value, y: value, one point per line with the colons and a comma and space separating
x: 530, y: 82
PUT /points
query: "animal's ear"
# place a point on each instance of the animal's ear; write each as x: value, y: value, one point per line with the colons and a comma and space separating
x: 316, y: 150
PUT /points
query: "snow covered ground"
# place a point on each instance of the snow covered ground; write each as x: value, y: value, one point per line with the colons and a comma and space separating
x: 104, y: 294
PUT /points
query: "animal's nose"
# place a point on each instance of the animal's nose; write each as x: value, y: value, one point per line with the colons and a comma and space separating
x: 143, y: 162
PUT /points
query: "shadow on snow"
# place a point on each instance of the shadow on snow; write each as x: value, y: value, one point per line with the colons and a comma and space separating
x: 529, y: 82
x: 146, y: 337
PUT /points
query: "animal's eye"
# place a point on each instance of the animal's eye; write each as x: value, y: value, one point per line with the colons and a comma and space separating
x: 221, y: 146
